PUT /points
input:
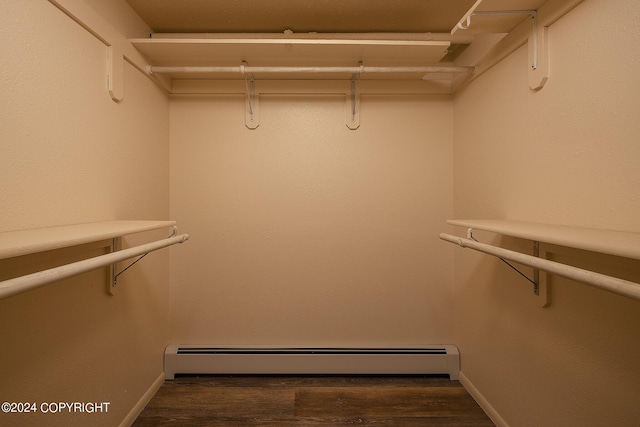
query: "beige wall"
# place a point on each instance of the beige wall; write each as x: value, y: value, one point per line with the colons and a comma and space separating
x: 308, y: 233
x: 568, y: 154
x: 69, y: 154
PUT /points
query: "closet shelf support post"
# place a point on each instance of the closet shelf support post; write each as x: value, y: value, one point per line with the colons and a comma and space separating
x: 537, y: 44
x: 115, y: 247
x: 251, y: 104
x: 353, y: 100
x: 541, y: 285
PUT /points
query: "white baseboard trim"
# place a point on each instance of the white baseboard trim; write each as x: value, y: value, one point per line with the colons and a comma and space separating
x: 484, y: 404
x: 144, y: 400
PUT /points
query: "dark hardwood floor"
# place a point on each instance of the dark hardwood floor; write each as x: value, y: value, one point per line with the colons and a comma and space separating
x: 312, y: 400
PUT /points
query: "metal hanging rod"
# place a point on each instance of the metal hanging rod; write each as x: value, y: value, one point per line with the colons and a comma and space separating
x: 28, y: 282
x: 598, y: 280
x: 243, y: 69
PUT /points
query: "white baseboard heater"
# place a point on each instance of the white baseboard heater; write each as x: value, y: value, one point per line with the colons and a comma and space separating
x: 192, y: 359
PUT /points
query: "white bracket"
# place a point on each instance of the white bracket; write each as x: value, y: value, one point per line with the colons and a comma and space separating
x: 251, y: 103
x: 538, y: 55
x: 353, y: 101
x: 112, y: 282
x: 542, y: 285
x: 116, y: 243
x: 537, y: 44
x: 118, y: 47
x: 115, y: 72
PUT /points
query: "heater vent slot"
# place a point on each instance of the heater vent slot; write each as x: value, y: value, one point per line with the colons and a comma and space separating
x: 206, y: 350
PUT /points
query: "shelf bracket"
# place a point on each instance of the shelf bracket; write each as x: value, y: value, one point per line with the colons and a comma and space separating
x: 115, y: 72
x: 353, y: 101
x: 540, y: 282
x: 251, y: 104
x: 538, y: 55
x: 113, y: 276
x: 542, y: 286
x: 119, y: 49
x: 536, y: 271
x: 537, y: 44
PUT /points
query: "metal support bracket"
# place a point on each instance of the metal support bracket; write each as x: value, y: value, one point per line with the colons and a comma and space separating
x: 113, y: 268
x: 540, y: 282
x: 353, y: 101
x: 251, y: 104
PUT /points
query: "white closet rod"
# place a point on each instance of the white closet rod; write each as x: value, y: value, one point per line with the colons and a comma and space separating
x: 602, y: 281
x: 35, y: 280
x: 350, y: 70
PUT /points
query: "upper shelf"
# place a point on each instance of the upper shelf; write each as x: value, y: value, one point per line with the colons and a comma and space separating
x: 333, y: 49
x: 286, y: 52
x: 24, y: 242
x: 618, y: 243
x: 290, y: 52
x: 445, y: 60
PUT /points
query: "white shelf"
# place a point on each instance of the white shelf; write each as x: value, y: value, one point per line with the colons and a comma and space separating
x: 317, y: 49
x: 283, y: 52
x: 618, y: 243
x: 295, y: 52
x: 24, y: 242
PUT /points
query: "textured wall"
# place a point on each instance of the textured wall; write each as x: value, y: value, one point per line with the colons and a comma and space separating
x: 307, y: 233
x: 69, y: 154
x: 568, y: 154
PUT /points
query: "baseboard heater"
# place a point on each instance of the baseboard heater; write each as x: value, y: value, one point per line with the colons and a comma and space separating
x: 190, y: 359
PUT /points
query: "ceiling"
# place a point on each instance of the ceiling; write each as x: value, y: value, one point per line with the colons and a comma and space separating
x: 301, y: 16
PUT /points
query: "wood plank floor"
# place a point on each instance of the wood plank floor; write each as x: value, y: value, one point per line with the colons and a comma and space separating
x: 312, y: 400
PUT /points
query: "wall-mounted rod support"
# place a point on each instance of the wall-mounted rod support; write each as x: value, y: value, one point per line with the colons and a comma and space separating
x: 536, y: 271
x: 115, y: 245
x: 536, y: 252
x: 534, y: 30
x: 354, y: 94
x: 251, y: 119
x: 26, y: 283
x: 602, y: 281
x: 467, y: 23
x: 353, y: 101
x: 286, y: 70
